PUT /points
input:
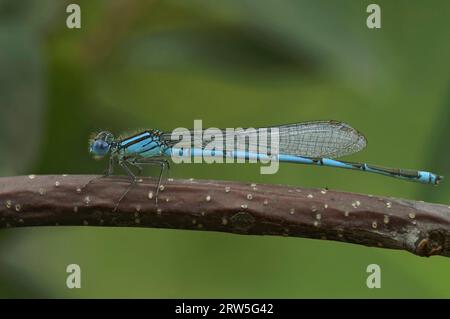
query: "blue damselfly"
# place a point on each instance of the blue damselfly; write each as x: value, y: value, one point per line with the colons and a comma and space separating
x: 313, y: 143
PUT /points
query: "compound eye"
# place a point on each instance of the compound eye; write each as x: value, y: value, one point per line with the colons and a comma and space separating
x: 100, y: 147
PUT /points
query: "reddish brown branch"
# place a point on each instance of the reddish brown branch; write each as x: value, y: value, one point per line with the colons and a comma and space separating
x: 243, y: 208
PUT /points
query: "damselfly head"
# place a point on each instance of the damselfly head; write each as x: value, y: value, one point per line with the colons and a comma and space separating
x: 100, y: 145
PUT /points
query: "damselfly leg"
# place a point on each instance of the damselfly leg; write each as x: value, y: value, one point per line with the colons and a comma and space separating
x: 109, y: 171
x: 133, y: 178
x: 163, y: 164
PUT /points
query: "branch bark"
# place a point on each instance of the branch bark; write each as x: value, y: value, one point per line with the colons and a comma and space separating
x: 242, y: 208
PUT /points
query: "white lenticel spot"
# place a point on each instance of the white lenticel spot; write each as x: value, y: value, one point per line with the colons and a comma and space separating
x: 356, y: 204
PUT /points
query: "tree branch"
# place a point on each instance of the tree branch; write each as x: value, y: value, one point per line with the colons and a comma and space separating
x: 55, y: 200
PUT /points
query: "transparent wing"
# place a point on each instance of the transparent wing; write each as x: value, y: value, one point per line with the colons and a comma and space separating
x: 320, y: 139
x: 308, y: 139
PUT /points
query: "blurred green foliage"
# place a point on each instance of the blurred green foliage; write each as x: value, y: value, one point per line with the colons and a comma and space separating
x: 162, y: 64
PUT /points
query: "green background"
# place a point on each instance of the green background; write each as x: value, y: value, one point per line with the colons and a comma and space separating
x: 236, y: 63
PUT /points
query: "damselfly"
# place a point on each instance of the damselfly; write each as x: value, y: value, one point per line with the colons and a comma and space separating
x: 312, y: 143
